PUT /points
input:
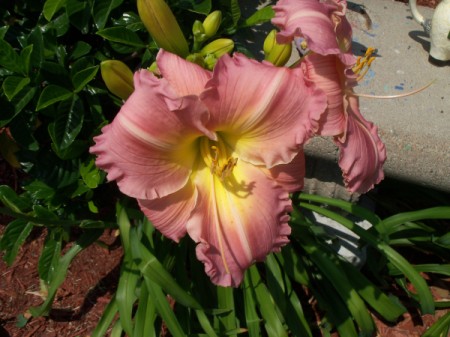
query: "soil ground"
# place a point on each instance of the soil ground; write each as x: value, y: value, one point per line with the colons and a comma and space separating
x: 92, y: 281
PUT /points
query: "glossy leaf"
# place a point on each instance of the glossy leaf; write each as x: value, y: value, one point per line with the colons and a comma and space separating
x: 9, y: 59
x: 51, y: 95
x: 48, y: 261
x: 90, y: 174
x: 262, y: 15
x: 102, y: 11
x: 122, y: 35
x: 83, y: 77
x: 12, y: 85
x: 15, y: 235
x: 68, y: 123
x: 13, y: 201
x: 25, y: 59
x: 51, y: 7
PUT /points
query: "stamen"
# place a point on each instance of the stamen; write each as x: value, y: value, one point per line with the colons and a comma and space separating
x: 363, y: 63
x: 351, y: 93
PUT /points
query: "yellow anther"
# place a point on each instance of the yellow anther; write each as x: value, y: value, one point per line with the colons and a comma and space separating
x: 362, y: 64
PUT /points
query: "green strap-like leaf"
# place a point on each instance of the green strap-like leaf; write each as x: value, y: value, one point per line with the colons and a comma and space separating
x: 105, y: 321
x: 424, y: 293
x: 266, y: 304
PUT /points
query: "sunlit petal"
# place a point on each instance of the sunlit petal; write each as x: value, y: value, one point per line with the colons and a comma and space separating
x: 258, y: 106
x: 149, y: 148
x: 237, y: 221
x: 186, y: 78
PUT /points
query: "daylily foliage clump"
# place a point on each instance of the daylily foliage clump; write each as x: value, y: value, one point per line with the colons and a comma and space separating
x: 215, y: 154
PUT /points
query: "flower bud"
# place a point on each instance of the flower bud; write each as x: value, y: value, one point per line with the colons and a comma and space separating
x: 163, y: 26
x: 210, y: 61
x: 218, y: 47
x: 197, y: 59
x: 198, y: 31
x: 118, y: 78
x: 211, y: 23
x: 275, y: 53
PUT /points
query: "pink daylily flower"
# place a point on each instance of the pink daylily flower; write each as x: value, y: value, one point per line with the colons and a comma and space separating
x: 214, y: 155
x: 328, y: 34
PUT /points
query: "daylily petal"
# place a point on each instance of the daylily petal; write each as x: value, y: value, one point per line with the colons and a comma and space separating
x: 149, y: 148
x: 237, y: 221
x: 309, y: 19
x: 258, y: 106
x: 170, y: 214
x: 186, y: 78
x: 362, y: 153
x: 327, y: 73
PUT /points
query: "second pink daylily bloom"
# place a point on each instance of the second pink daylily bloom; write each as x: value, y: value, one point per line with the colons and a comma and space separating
x: 328, y: 35
x: 214, y: 155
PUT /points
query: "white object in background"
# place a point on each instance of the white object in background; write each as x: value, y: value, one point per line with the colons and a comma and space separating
x: 438, y: 28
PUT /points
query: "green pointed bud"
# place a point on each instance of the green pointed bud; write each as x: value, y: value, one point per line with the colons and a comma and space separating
x: 218, y: 47
x: 274, y: 52
x: 197, y: 59
x: 163, y: 26
x: 154, y: 69
x: 212, y: 23
x: 210, y: 61
x: 198, y: 30
x: 117, y: 77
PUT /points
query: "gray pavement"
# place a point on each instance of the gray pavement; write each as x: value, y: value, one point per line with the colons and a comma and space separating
x: 415, y: 129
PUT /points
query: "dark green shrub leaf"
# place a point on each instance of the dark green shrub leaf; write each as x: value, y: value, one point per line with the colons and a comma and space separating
x: 102, y: 11
x: 67, y: 125
x: 122, y: 35
x: 83, y: 77
x: 36, y: 39
x: 13, y: 84
x: 15, y: 234
x: 54, y: 73
x: 264, y: 14
x: 73, y: 151
x: 90, y: 174
x: 55, y: 172
x: 80, y: 49
x: 48, y: 261
x: 25, y: 58
x: 79, y: 13
x: 38, y: 190
x: 202, y: 7
x: 14, y: 202
x: 51, y: 95
x: 51, y: 7
x: 9, y: 58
